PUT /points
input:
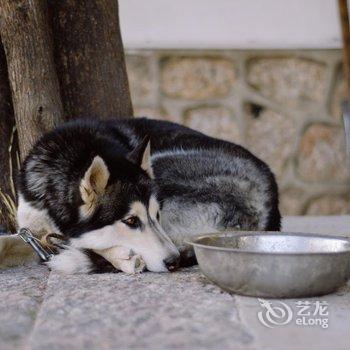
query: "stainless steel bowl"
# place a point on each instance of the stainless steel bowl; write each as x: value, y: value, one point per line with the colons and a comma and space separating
x: 274, y: 264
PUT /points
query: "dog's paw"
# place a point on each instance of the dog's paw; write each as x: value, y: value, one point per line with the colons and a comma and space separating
x: 116, y: 253
x: 123, y: 259
x: 71, y: 261
x: 132, y: 266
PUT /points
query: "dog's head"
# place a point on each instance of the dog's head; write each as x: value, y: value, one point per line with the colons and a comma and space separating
x: 119, y: 207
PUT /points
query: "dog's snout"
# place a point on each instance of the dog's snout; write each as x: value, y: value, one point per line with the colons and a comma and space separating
x: 172, y: 263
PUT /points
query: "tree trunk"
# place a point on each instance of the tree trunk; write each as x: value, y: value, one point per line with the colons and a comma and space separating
x: 34, y: 84
x: 8, y: 148
x: 89, y: 59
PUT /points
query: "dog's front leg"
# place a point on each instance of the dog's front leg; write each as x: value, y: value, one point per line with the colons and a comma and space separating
x: 75, y: 261
x: 123, y: 259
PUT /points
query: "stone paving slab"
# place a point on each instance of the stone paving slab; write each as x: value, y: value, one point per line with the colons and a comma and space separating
x: 307, y: 335
x: 181, y: 310
x: 150, y: 311
x: 21, y: 293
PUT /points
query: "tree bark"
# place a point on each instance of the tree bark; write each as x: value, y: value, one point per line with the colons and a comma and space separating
x: 34, y: 84
x: 89, y: 58
x: 8, y: 149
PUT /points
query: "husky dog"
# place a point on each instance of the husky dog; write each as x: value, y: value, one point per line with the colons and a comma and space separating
x: 123, y: 202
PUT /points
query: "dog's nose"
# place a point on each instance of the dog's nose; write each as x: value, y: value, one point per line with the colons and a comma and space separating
x: 172, y: 263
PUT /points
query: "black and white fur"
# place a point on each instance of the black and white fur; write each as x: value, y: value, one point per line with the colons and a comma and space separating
x: 90, y: 181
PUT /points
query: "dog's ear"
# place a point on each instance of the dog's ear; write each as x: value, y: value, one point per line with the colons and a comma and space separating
x: 93, y: 184
x: 141, y: 155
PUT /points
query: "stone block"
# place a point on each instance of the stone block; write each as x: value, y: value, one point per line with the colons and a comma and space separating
x: 197, y: 78
x: 322, y: 153
x: 293, y: 82
x: 329, y: 205
x: 149, y: 112
x: 215, y: 121
x: 270, y: 136
x: 291, y: 201
x: 142, y: 82
x: 338, y: 95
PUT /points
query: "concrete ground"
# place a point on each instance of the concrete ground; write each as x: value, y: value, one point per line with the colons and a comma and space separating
x: 182, y: 310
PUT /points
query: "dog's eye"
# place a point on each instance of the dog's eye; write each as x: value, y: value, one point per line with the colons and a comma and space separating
x: 158, y: 216
x: 132, y: 221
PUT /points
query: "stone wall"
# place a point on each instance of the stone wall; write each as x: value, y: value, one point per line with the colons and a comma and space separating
x: 282, y: 105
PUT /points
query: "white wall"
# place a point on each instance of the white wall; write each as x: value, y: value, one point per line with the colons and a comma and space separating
x: 230, y: 24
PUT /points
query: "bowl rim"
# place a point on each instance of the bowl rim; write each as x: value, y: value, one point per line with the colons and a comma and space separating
x: 231, y: 233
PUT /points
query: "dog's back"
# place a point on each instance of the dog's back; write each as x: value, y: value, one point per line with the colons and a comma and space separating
x: 207, y: 184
